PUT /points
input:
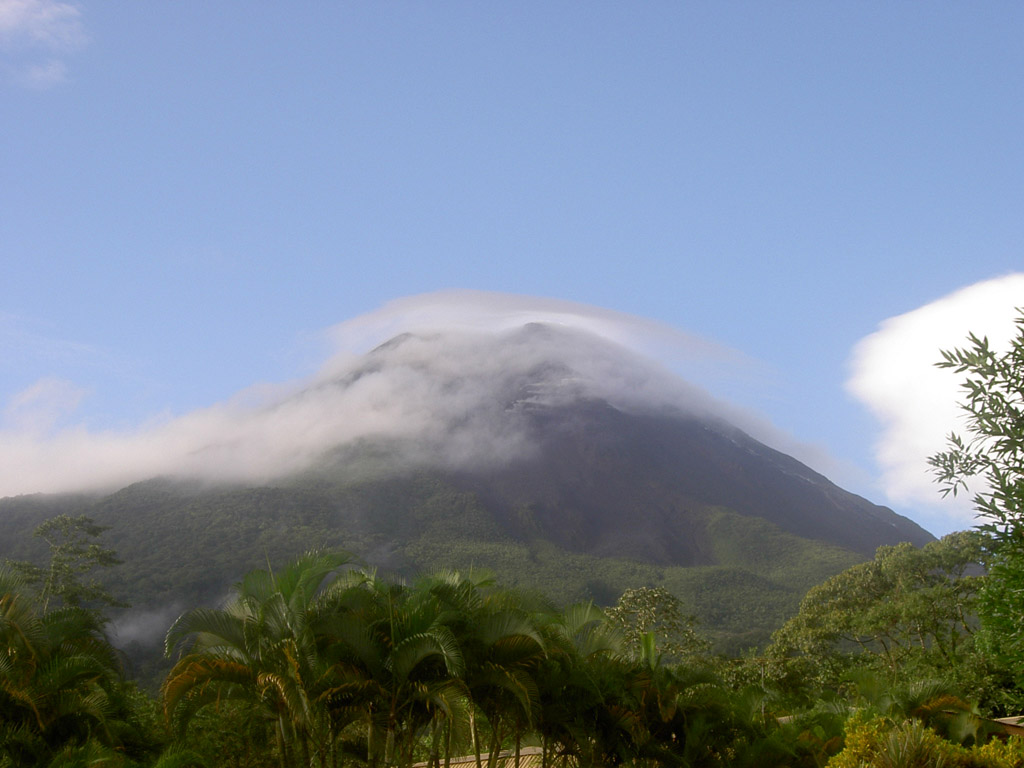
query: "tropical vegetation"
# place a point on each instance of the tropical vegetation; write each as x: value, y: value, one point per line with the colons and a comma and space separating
x: 325, y: 663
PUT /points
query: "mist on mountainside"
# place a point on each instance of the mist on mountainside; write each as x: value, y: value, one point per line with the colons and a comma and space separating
x: 439, y: 380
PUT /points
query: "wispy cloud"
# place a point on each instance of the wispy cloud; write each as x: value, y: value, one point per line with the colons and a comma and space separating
x: 447, y: 394
x: 893, y: 373
x: 35, y: 36
x: 40, y: 408
x: 27, y: 344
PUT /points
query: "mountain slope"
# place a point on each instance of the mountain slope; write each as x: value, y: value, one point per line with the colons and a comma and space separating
x: 629, y: 484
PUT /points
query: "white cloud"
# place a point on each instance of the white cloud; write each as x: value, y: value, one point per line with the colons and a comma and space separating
x: 35, y: 35
x: 893, y: 373
x: 448, y: 394
x: 40, y: 22
x: 496, y: 312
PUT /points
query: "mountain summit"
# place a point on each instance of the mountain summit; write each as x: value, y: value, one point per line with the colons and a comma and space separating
x: 576, y: 440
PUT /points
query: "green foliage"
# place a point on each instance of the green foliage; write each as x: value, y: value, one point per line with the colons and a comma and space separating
x: 321, y: 663
x: 74, y: 554
x: 331, y: 664
x: 262, y: 650
x: 719, y: 595
x: 908, y: 614
x: 654, y: 615
x: 62, y: 699
x: 993, y: 452
x: 1002, y: 634
x: 757, y: 546
x: 174, y: 540
x: 361, y: 660
x: 994, y: 448
x: 881, y: 742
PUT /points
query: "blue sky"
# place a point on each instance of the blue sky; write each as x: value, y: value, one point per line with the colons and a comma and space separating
x: 193, y: 193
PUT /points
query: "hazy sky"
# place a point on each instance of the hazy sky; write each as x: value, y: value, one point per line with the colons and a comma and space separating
x: 193, y: 195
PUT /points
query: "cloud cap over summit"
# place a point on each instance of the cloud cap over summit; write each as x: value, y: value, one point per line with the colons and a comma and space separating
x: 440, y: 375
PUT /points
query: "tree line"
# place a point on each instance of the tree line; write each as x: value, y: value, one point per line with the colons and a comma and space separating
x: 324, y: 663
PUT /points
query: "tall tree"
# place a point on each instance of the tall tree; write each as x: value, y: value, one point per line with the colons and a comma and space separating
x: 75, y: 554
x: 909, y: 612
x: 993, y: 450
x: 656, y: 612
x: 991, y: 456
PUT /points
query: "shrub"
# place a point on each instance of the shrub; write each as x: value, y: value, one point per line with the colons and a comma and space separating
x: 879, y: 743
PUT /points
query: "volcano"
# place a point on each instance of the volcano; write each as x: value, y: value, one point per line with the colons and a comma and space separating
x: 558, y: 460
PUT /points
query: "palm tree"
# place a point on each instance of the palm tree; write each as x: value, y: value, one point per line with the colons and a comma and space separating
x: 601, y: 706
x: 574, y: 680
x: 59, y: 677
x: 262, y: 647
x: 498, y: 631
x: 395, y: 664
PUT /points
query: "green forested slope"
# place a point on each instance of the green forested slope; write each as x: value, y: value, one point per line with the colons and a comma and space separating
x: 183, y: 545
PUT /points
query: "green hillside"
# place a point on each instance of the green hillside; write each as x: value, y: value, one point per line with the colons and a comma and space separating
x: 184, y: 544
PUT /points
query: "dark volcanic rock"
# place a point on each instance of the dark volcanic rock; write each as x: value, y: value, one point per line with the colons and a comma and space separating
x: 609, y: 482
